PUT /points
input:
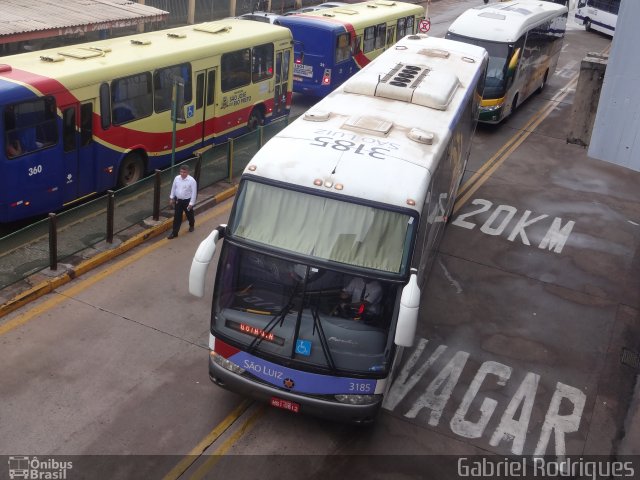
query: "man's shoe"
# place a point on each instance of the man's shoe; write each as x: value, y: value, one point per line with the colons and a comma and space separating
x: 191, y: 228
x: 172, y: 236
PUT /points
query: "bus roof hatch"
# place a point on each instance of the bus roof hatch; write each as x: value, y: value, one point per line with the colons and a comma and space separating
x: 410, y: 83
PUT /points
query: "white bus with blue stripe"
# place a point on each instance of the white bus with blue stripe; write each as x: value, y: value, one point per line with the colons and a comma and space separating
x: 333, y: 231
x: 598, y: 15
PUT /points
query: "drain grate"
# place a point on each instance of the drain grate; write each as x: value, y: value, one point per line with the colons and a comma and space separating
x: 630, y: 358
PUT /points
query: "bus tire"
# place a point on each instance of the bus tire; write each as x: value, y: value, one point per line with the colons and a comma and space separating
x: 587, y: 24
x: 255, y: 119
x: 131, y: 169
x: 514, y: 105
x: 544, y: 81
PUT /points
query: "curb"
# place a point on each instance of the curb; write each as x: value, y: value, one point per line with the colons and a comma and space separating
x: 89, y: 264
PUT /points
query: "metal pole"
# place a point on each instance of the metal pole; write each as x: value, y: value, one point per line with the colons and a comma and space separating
x: 198, y: 170
x: 110, y: 214
x: 174, y: 96
x: 156, y: 194
x: 230, y: 159
x: 53, y: 242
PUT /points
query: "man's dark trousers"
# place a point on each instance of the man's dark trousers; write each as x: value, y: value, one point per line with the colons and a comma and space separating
x: 181, y: 206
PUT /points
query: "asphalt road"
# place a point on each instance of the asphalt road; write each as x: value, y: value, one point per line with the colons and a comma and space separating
x: 531, y: 300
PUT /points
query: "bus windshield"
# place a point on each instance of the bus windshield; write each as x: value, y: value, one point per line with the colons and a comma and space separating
x: 499, y: 53
x: 324, y: 228
x: 302, y: 316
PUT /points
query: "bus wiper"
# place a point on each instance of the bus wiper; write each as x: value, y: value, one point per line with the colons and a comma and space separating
x: 317, y: 324
x: 278, y: 317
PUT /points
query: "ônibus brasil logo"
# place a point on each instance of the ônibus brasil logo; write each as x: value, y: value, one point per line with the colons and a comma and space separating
x: 37, y: 469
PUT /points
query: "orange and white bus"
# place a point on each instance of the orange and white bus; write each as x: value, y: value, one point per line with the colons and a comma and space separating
x: 82, y: 119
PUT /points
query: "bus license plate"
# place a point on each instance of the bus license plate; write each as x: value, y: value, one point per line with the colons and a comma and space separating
x: 285, y: 404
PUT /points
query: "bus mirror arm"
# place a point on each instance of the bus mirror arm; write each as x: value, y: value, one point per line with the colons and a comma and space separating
x: 201, y: 260
x: 408, y: 314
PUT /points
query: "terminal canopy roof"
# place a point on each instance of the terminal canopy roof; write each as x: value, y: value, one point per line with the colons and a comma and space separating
x: 34, y: 19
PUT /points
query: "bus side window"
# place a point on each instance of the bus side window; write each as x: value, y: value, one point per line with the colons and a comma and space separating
x: 381, y: 35
x: 235, y: 69
x: 30, y: 126
x: 342, y: 47
x: 105, y: 106
x: 131, y: 98
x: 390, y: 33
x: 211, y: 84
x: 401, y: 28
x: 355, y: 46
x: 163, y: 81
x: 409, y: 28
x: 86, y: 124
x: 262, y: 62
x: 69, y: 129
x: 199, y: 91
x: 369, y: 39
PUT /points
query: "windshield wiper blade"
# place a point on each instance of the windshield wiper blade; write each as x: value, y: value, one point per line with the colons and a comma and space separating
x: 317, y: 324
x: 278, y: 317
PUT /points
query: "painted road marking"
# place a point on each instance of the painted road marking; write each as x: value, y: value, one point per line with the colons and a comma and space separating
x: 514, y: 423
x: 554, y: 239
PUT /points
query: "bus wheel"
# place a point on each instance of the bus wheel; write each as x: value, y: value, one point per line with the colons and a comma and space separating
x: 131, y: 170
x: 544, y: 81
x: 587, y: 24
x: 255, y: 119
x: 514, y: 105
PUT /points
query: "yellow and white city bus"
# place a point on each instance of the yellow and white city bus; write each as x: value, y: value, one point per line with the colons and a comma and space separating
x: 85, y: 118
x: 524, y: 39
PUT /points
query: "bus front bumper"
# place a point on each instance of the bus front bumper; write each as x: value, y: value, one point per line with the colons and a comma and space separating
x: 314, y: 406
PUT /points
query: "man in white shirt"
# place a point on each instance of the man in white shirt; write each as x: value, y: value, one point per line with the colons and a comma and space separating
x: 183, y: 197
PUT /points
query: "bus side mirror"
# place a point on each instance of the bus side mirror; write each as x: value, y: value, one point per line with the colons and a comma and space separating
x: 408, y: 314
x: 205, y: 252
x: 513, y: 63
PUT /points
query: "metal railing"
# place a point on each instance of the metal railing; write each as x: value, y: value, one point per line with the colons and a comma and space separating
x: 63, y: 236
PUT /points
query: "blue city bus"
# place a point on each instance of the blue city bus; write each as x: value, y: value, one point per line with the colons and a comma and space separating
x: 332, y: 44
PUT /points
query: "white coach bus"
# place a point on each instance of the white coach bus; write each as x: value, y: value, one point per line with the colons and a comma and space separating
x: 333, y: 230
x: 599, y: 15
x: 524, y: 39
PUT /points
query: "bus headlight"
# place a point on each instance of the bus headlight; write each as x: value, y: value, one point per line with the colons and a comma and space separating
x: 226, y: 364
x: 358, y: 399
x: 490, y: 108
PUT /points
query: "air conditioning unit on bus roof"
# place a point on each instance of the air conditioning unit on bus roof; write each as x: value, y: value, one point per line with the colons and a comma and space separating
x: 416, y: 84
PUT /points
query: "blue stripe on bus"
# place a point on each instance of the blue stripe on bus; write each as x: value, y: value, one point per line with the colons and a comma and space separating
x: 300, y: 381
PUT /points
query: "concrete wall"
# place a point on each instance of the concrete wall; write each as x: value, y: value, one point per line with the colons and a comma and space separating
x: 585, y: 102
x: 616, y: 132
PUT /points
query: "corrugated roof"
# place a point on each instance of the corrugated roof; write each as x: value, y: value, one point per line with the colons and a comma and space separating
x: 22, y: 16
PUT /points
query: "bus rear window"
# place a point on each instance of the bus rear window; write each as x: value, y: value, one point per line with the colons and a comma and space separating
x: 30, y: 126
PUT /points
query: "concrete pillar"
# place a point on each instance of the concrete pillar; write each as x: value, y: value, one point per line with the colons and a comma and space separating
x: 141, y: 24
x: 585, y: 103
x: 191, y: 12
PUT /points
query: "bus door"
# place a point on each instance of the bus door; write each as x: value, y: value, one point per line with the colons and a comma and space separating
x: 77, y: 151
x: 205, y: 102
x: 281, y: 89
